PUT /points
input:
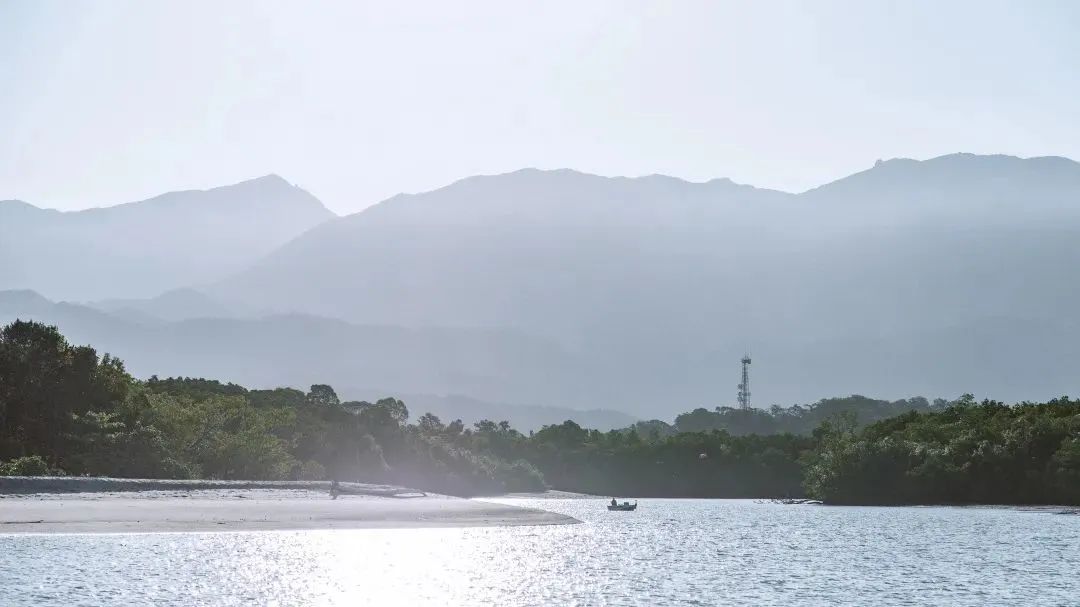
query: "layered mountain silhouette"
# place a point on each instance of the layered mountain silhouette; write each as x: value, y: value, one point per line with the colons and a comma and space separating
x: 361, y: 362
x: 140, y: 249
x: 932, y: 278
x: 175, y: 304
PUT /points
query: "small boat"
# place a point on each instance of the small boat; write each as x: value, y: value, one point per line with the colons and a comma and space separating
x: 623, y: 507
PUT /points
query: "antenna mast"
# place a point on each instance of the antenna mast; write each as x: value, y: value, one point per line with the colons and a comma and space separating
x: 744, y: 387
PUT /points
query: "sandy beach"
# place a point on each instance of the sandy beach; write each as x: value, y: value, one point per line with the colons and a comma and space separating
x: 120, y: 506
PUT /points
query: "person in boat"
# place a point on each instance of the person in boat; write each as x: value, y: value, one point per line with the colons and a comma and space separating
x: 334, y: 489
x: 614, y: 503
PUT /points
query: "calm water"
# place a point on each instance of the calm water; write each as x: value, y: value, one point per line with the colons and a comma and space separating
x: 707, y: 552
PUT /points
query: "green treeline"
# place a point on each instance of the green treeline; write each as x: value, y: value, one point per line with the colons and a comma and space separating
x: 65, y: 410
x: 687, y: 464
x: 799, y: 419
x: 977, y: 453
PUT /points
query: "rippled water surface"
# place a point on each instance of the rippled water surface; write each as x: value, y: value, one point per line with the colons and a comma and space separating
x: 685, y: 552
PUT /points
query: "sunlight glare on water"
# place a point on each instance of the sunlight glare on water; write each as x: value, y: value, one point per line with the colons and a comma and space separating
x: 669, y: 552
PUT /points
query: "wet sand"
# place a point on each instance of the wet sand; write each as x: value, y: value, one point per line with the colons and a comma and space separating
x: 242, y: 508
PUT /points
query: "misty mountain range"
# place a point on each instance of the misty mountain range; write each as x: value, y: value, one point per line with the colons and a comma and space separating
x: 438, y: 365
x: 570, y: 290
x: 141, y: 249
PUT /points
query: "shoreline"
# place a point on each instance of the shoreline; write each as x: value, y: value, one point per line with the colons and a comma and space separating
x: 30, y: 485
x: 38, y: 505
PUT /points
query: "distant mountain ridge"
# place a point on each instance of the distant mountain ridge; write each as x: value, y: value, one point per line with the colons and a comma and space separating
x: 141, y: 249
x: 429, y: 366
x: 933, y: 277
x: 172, y: 305
x: 661, y: 284
x: 565, y: 197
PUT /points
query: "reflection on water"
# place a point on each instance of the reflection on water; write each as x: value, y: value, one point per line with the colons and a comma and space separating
x: 669, y: 552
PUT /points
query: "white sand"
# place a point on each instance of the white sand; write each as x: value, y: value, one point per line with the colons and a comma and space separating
x: 248, y: 509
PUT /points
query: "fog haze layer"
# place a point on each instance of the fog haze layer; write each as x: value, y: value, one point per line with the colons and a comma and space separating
x: 143, y: 248
x: 567, y: 289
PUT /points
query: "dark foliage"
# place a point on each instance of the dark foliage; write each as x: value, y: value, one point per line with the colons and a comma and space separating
x: 64, y: 409
x: 970, y: 452
x: 800, y: 419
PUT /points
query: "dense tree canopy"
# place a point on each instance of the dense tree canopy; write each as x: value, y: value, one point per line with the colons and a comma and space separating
x: 64, y: 409
x: 46, y: 384
x: 969, y: 452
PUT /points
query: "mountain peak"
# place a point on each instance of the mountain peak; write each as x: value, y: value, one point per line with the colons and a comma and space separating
x: 271, y: 180
x: 20, y: 206
x: 150, y: 246
x: 958, y: 170
x: 23, y: 297
x: 967, y: 159
x: 268, y: 183
x: 271, y: 177
x: 16, y: 203
x: 267, y: 193
x: 275, y: 190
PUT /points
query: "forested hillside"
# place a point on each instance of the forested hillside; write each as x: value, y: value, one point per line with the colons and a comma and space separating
x: 66, y: 410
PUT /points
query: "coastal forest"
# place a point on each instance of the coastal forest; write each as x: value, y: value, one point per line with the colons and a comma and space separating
x: 66, y: 410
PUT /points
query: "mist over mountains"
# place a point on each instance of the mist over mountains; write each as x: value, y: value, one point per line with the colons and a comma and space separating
x: 439, y: 365
x: 559, y: 288
x: 139, y: 249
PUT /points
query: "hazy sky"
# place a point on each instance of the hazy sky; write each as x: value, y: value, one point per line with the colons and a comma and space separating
x: 108, y: 102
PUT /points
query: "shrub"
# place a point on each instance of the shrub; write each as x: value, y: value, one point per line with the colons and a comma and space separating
x: 32, y: 465
x: 311, y: 471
